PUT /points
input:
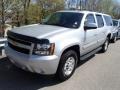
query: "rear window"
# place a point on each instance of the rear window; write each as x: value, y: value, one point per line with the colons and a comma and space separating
x: 115, y: 23
x: 108, y: 20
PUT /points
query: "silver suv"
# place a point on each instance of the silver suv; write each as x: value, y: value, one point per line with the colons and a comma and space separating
x: 56, y: 45
x: 116, y: 27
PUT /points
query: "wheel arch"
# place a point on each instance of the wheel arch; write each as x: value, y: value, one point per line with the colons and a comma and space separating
x: 75, y: 47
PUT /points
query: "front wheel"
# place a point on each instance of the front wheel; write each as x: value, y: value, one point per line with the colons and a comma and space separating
x: 67, y: 65
x: 105, y: 45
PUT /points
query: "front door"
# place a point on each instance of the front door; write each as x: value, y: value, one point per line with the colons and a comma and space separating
x: 90, y: 36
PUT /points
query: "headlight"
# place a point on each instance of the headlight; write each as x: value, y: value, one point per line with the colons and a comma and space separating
x: 44, y: 49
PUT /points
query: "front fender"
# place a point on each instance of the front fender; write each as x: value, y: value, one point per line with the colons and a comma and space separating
x: 64, y: 44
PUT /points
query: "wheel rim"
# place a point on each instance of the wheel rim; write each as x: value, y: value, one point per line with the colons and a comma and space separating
x: 69, y: 66
x: 106, y: 44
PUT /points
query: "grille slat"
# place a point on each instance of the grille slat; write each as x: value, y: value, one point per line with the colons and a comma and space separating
x: 19, y: 41
x: 19, y: 44
x: 22, y: 50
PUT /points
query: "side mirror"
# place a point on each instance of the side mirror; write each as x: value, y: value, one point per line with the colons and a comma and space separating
x: 89, y: 26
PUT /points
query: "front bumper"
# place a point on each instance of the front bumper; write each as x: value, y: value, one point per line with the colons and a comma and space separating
x: 38, y: 64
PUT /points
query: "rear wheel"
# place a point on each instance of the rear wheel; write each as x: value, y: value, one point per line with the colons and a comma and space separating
x: 67, y: 65
x: 114, y: 39
x: 105, y: 45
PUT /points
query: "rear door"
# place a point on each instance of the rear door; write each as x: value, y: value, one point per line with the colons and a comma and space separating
x: 109, y: 24
x: 101, y: 36
x: 119, y: 30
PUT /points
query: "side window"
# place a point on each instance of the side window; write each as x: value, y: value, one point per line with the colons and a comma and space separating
x: 90, y: 18
x: 100, y: 21
x: 108, y: 20
x: 115, y: 23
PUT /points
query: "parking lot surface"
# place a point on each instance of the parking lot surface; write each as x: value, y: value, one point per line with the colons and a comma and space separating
x: 100, y: 72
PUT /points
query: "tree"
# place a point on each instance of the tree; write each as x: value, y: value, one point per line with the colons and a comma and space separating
x: 49, y: 6
x: 16, y: 9
x: 33, y: 13
x: 116, y: 11
x: 26, y: 4
x: 4, y: 9
x: 2, y: 15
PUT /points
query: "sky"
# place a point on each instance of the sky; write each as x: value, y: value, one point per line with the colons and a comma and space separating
x: 118, y: 1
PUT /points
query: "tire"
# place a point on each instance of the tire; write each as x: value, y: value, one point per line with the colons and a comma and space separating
x: 105, y: 45
x: 67, y: 65
x: 114, y: 39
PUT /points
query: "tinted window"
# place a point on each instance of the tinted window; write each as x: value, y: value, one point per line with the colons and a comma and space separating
x: 90, y: 18
x: 108, y: 20
x: 100, y: 21
x: 64, y: 19
x: 115, y: 23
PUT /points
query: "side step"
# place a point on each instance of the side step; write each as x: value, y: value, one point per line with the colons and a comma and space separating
x: 90, y: 53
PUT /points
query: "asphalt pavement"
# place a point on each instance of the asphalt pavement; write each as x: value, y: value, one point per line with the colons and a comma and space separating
x: 99, y: 72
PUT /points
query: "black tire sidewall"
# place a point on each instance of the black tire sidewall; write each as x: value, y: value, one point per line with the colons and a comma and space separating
x: 103, y: 47
x: 64, y: 57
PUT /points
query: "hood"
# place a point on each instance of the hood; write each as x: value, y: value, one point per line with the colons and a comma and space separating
x: 39, y: 31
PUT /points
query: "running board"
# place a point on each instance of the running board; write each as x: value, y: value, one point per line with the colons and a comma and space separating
x: 90, y: 53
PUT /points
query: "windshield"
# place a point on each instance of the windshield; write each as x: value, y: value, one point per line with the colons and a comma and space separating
x: 115, y: 23
x: 64, y: 19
